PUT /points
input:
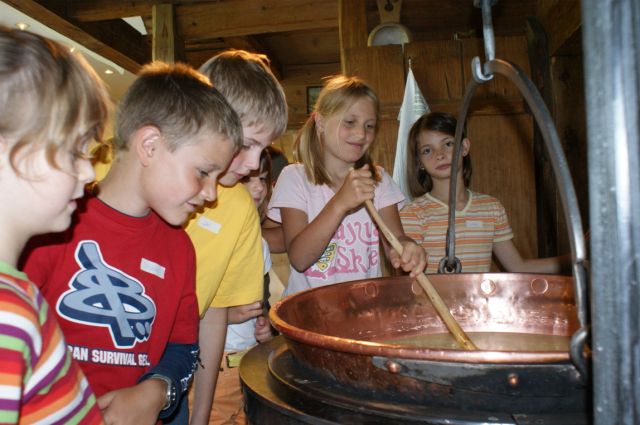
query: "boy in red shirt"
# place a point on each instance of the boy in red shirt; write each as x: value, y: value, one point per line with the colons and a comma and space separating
x: 122, y: 279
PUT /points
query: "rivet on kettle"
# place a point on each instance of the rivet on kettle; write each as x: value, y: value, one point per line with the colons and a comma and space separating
x: 393, y: 367
x: 371, y: 290
x: 488, y: 286
x: 539, y: 286
x: 513, y: 379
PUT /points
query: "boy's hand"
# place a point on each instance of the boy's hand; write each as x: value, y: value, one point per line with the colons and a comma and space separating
x: 137, y: 405
x: 263, y: 330
x: 413, y: 260
x: 242, y: 313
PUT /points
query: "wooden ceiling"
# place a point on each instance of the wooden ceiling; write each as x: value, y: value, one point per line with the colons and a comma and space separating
x: 293, y: 33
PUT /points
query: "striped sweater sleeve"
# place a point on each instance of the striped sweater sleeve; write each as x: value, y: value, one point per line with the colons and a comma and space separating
x: 39, y: 382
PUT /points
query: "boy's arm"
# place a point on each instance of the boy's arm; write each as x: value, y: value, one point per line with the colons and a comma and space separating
x: 213, y: 332
x: 273, y: 234
x: 178, y: 364
x: 136, y: 405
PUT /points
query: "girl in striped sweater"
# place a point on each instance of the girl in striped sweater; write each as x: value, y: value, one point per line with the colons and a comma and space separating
x: 482, y: 227
x: 52, y: 105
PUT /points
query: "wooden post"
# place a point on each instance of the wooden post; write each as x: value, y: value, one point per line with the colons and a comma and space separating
x: 352, y: 24
x: 164, y: 34
x: 547, y: 193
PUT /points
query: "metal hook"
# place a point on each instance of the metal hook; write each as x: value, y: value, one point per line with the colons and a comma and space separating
x: 476, y: 71
x: 489, y: 41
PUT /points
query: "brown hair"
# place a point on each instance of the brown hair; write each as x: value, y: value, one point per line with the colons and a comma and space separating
x: 265, y: 166
x: 418, y: 180
x: 337, y: 94
x: 246, y: 81
x: 180, y: 102
x: 49, y: 97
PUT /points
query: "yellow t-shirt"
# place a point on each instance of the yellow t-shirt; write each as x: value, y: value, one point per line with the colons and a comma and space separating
x: 228, y: 244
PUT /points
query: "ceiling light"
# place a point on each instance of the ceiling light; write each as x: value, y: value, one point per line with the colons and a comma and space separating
x: 390, y: 30
x: 108, y: 71
x: 22, y: 26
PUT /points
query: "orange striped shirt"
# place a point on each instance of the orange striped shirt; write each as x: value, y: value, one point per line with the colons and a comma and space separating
x: 480, y: 224
x: 39, y: 382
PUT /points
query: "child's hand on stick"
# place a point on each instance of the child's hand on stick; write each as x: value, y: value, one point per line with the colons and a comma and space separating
x: 413, y: 259
x: 358, y: 187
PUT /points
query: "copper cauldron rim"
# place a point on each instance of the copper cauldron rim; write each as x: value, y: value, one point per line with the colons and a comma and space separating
x: 370, y: 348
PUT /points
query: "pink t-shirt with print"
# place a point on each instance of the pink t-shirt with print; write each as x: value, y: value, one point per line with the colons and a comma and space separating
x: 354, y: 250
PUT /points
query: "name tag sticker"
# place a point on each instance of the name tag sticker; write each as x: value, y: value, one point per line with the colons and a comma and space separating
x: 474, y: 224
x: 151, y: 267
x: 210, y: 225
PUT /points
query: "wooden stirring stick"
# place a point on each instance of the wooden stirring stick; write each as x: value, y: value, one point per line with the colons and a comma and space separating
x: 423, y: 280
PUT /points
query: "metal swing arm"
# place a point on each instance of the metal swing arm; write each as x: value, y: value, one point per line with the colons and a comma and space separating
x: 481, y: 74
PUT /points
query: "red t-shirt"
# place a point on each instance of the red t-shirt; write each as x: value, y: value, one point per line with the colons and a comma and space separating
x: 122, y: 288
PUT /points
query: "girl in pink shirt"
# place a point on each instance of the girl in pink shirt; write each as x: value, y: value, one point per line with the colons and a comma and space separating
x: 328, y: 233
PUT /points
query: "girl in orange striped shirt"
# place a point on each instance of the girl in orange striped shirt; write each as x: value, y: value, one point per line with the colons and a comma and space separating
x: 482, y: 227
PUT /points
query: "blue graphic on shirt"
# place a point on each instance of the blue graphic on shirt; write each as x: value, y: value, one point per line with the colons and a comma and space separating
x: 101, y: 295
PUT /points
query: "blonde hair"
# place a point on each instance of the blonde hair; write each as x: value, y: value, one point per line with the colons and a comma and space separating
x: 180, y: 102
x: 338, y: 93
x: 49, y: 97
x: 246, y: 81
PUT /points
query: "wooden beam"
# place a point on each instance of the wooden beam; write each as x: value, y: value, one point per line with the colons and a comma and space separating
x: 199, y: 20
x: 163, y: 33
x: 103, y: 10
x: 115, y: 41
x: 560, y: 19
x: 352, y: 24
x: 248, y: 17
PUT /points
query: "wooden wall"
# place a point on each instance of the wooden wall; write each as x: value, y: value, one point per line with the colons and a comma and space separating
x: 557, y: 29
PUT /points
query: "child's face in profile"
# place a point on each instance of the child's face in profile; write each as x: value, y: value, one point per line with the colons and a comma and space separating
x: 256, y: 184
x: 178, y: 183
x: 256, y: 138
x: 43, y: 196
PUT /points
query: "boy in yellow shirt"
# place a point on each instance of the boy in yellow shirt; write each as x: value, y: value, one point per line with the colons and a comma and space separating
x: 226, y: 235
